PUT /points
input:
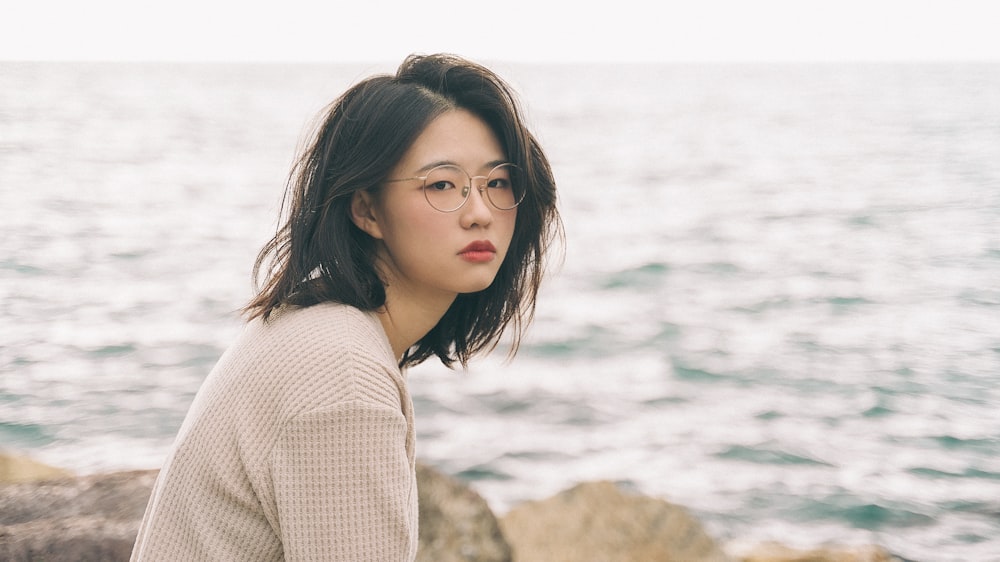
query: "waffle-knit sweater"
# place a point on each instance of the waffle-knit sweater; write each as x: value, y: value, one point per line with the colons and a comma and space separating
x: 298, y: 446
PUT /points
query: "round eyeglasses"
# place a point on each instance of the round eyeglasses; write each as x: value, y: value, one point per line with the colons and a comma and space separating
x: 447, y: 187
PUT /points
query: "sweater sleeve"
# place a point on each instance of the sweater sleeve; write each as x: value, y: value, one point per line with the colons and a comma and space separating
x: 343, y: 485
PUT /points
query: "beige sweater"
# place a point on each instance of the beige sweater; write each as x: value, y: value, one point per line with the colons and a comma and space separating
x: 299, y: 446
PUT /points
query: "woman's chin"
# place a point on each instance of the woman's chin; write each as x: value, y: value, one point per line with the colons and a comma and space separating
x: 476, y: 286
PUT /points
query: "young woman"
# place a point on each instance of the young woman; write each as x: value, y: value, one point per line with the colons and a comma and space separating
x: 418, y: 223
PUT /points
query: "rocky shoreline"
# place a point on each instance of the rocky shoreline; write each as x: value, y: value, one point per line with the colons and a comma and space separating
x: 49, y: 514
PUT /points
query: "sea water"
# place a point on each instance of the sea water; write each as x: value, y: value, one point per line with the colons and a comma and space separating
x: 779, y: 303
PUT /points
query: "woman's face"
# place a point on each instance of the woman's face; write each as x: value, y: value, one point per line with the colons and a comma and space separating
x: 426, y: 253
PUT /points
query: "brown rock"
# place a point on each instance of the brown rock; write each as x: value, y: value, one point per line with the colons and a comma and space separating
x: 15, y: 468
x: 774, y: 552
x: 599, y: 522
x: 456, y: 524
x: 97, y: 518
x: 77, y: 539
x: 47, y: 515
x: 119, y: 496
x: 73, y: 519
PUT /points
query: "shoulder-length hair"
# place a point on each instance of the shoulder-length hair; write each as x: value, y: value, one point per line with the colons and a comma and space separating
x: 319, y: 255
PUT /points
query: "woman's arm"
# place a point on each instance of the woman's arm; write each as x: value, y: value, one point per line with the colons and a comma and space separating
x: 344, y: 486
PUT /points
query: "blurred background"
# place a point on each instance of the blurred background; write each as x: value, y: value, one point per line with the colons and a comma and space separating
x: 779, y: 300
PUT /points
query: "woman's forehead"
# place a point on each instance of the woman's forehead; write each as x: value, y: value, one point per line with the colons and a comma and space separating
x: 456, y: 137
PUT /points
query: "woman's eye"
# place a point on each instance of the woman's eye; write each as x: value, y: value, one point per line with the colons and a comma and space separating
x: 440, y: 185
x: 499, y: 183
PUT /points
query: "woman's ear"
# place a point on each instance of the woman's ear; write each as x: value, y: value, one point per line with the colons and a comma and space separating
x: 363, y: 213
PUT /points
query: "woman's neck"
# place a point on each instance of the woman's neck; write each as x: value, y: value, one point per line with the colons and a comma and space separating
x: 407, y: 320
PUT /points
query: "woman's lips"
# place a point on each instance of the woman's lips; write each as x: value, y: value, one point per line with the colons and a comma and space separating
x: 480, y: 251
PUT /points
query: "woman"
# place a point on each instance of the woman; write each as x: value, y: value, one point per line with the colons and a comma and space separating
x: 419, y: 218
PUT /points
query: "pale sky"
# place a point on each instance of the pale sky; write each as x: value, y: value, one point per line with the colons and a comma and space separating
x: 515, y: 30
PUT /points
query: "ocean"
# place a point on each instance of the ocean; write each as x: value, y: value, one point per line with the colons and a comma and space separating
x: 779, y: 303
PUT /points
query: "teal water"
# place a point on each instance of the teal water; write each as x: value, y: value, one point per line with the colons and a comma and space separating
x: 779, y: 304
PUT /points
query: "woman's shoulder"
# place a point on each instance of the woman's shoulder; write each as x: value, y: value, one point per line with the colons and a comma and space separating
x: 334, y: 351
x: 334, y: 326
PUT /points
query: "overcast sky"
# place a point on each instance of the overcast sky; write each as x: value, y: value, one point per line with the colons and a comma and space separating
x: 515, y: 30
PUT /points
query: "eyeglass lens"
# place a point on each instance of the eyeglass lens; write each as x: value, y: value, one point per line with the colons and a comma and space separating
x: 447, y: 187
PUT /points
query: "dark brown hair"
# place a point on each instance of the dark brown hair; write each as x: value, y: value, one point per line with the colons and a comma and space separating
x: 318, y: 254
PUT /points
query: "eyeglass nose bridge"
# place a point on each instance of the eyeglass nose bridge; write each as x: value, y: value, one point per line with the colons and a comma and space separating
x: 466, y: 189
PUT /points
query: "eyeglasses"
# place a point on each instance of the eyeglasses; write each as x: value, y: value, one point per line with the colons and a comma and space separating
x: 447, y: 187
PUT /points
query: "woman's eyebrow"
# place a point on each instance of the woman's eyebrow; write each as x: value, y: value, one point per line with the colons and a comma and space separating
x: 488, y: 165
x: 428, y: 167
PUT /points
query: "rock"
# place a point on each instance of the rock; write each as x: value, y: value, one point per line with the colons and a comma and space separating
x: 78, y: 539
x: 774, y: 552
x: 15, y: 468
x: 119, y: 496
x: 597, y: 521
x: 46, y: 514
x: 73, y: 519
x: 456, y: 524
x: 97, y: 518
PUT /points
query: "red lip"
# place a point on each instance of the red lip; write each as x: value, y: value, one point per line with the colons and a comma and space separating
x: 480, y: 251
x: 479, y: 246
